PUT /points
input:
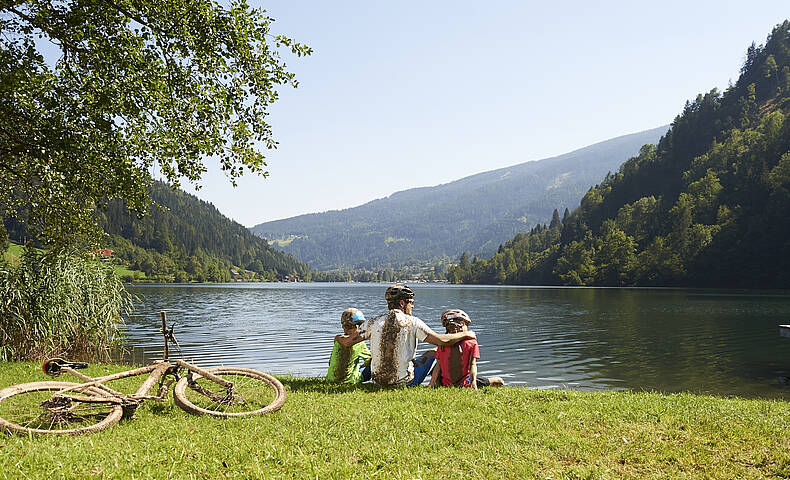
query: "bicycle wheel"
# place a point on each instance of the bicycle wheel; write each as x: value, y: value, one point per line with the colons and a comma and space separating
x: 33, y: 408
x: 253, y: 393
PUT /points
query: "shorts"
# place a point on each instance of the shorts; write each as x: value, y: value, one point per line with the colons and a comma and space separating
x: 421, y: 371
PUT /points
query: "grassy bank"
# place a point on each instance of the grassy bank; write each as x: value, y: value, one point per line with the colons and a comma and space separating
x: 13, y: 253
x: 340, y: 432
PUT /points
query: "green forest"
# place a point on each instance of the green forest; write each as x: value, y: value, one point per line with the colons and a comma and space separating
x: 707, y: 206
x: 185, y: 239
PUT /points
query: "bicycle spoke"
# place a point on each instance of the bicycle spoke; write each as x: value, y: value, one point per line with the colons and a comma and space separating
x: 30, y: 422
x: 247, y: 394
x: 47, y: 410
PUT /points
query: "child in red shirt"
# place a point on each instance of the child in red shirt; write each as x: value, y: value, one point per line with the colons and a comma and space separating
x: 457, y: 364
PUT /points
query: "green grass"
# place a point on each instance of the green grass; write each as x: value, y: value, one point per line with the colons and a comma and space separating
x: 15, y: 249
x: 284, y: 242
x: 13, y: 253
x: 123, y: 272
x: 342, y: 432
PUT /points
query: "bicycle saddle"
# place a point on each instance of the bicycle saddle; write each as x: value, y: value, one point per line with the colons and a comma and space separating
x: 53, y: 366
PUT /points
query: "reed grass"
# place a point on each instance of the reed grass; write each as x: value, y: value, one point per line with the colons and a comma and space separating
x: 60, y: 304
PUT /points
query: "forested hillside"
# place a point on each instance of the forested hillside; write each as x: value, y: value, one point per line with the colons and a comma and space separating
x: 187, y: 239
x: 473, y: 214
x: 708, y: 206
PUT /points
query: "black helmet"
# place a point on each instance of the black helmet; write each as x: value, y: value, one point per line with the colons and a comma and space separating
x: 398, y: 292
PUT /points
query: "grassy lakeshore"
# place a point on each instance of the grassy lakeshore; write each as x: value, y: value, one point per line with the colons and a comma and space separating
x: 340, y: 432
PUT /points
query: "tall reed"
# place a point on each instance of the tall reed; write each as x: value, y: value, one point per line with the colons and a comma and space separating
x: 58, y: 304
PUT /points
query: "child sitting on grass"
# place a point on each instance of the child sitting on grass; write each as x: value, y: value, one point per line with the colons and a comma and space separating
x: 343, y: 364
x: 457, y: 365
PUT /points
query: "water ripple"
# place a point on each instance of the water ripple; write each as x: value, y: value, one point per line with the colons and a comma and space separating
x: 592, y: 339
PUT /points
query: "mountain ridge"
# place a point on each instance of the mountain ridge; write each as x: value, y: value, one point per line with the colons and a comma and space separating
x: 184, y: 238
x: 705, y: 207
x: 474, y: 213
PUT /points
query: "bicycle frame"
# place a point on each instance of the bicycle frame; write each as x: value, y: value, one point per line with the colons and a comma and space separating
x: 59, y: 407
x: 156, y: 371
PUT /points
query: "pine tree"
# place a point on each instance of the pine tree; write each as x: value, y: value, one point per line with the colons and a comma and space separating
x: 463, y: 262
x: 555, y: 220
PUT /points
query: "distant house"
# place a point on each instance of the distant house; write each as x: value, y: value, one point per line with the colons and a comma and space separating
x: 104, y: 254
x: 291, y: 278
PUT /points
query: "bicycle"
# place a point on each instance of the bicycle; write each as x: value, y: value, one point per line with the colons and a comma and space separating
x: 54, y: 407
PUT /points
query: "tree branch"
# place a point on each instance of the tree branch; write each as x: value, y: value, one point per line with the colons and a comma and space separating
x: 53, y: 33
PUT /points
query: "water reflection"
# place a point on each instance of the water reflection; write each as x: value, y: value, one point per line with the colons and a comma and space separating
x: 724, y: 343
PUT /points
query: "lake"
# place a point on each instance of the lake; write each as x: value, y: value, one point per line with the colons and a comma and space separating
x: 719, y: 342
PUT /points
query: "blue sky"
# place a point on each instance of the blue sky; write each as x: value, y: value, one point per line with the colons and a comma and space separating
x: 406, y: 94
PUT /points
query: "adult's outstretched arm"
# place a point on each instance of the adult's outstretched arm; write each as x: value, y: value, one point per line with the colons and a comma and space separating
x: 349, y: 340
x: 447, y: 339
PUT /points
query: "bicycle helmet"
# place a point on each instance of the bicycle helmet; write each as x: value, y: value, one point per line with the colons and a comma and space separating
x: 455, y: 315
x: 352, y: 317
x: 398, y: 292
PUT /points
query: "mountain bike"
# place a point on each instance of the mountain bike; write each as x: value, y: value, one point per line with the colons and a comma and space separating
x: 55, y: 407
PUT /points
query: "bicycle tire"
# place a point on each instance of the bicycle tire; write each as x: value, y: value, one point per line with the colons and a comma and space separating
x: 255, y: 393
x: 22, y: 410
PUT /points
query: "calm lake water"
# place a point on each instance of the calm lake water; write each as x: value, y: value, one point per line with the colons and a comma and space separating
x: 703, y: 341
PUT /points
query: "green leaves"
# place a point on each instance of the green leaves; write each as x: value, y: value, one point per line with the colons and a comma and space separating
x: 135, y: 86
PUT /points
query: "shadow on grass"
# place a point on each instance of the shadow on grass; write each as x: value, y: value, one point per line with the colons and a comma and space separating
x: 319, y: 385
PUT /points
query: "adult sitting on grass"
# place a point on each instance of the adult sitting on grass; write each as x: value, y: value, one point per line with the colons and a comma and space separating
x: 393, y: 341
x: 458, y: 363
x: 344, y: 361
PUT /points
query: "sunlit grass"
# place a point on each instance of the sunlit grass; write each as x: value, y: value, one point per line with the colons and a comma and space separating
x: 328, y: 431
x: 123, y: 272
x: 13, y: 253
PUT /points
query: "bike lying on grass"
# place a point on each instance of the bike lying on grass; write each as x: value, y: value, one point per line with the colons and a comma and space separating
x: 74, y: 408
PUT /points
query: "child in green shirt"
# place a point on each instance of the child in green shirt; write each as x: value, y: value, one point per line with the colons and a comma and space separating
x: 343, y: 364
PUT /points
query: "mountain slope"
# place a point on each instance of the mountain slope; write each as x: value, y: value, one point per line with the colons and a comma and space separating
x: 473, y: 214
x: 189, y: 239
x: 708, y: 206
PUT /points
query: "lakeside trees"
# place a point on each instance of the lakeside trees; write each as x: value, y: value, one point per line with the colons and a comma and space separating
x: 185, y: 239
x: 94, y: 94
x: 708, y: 205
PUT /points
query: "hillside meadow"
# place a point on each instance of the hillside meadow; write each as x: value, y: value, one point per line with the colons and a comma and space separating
x: 342, y: 432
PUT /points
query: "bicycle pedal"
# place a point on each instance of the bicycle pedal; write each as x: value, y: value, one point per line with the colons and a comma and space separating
x: 129, y: 409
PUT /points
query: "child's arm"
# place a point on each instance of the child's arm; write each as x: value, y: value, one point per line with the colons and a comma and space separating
x: 437, y: 372
x: 473, y: 373
x: 364, y: 354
